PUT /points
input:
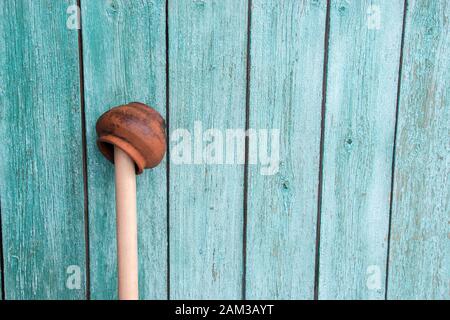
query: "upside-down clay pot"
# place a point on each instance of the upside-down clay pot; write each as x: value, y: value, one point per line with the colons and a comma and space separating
x: 137, y: 129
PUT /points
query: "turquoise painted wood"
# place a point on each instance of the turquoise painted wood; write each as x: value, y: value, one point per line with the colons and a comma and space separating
x: 287, y: 44
x: 41, y: 155
x: 207, y: 70
x: 202, y: 234
x: 1, y: 265
x: 361, y: 100
x: 124, y: 48
x: 419, y: 262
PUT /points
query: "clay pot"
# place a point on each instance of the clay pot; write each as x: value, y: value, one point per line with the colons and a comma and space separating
x: 137, y: 129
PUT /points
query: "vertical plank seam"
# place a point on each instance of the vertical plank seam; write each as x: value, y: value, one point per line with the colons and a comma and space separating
x: 84, y: 155
x: 168, y: 151
x: 394, y: 148
x: 247, y: 123
x: 2, y: 263
x: 322, y: 138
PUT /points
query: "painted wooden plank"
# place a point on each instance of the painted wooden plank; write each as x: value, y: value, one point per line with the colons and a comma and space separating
x: 207, y: 59
x: 363, y: 65
x: 41, y: 168
x: 124, y: 49
x: 287, y: 50
x: 419, y: 262
x: 1, y: 257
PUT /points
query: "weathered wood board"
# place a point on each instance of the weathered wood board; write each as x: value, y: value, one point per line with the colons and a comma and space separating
x: 41, y: 165
x: 1, y: 259
x: 419, y: 262
x: 358, y: 207
x: 287, y: 44
x: 362, y: 75
x: 124, y: 48
x: 207, y: 83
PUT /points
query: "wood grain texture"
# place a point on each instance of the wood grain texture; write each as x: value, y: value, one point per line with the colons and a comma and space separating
x: 287, y: 50
x: 419, y: 262
x: 124, y: 53
x: 1, y: 257
x: 358, y: 145
x: 207, y: 54
x: 41, y: 169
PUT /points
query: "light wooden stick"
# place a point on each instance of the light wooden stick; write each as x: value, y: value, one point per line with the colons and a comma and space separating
x: 127, y: 254
x: 138, y: 135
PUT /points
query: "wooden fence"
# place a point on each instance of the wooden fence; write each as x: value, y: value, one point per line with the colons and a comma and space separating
x: 359, y: 89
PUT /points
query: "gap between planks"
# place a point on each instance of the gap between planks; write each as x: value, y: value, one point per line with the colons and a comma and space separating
x: 321, y: 152
x: 399, y: 84
x: 84, y: 155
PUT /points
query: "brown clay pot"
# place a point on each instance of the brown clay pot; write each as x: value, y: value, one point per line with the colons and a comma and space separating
x: 135, y: 128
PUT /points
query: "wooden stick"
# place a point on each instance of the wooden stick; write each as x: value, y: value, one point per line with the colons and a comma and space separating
x: 138, y: 135
x: 127, y: 254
